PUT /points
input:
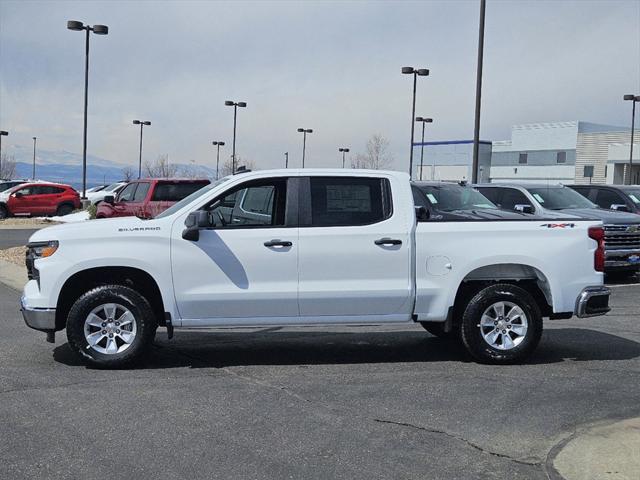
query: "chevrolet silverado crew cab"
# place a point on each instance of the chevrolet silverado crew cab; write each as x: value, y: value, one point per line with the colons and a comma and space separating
x: 310, y: 247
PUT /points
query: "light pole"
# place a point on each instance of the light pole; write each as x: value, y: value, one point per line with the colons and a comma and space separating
x: 634, y: 99
x: 343, y: 150
x: 235, y: 106
x: 424, y: 120
x: 423, y: 72
x: 476, y: 128
x: 33, y: 174
x: 218, y: 144
x: 3, y: 133
x: 304, y: 132
x: 142, y: 123
x: 98, y: 30
x: 286, y: 159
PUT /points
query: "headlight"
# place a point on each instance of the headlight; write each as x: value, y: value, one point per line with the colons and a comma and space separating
x: 42, y: 249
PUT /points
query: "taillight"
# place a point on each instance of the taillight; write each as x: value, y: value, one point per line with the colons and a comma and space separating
x: 597, y: 234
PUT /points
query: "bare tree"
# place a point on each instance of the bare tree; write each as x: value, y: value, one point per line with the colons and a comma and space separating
x: 190, y: 171
x: 376, y: 156
x: 161, y: 168
x: 227, y: 166
x: 7, y: 167
x: 127, y: 174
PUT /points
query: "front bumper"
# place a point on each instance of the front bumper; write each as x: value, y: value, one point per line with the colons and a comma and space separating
x: 592, y: 301
x: 43, y: 319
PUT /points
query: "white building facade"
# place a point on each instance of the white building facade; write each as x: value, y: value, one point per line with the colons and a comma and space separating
x: 563, y: 152
x: 451, y: 160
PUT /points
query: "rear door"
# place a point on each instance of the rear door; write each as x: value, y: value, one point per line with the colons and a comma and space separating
x: 355, y: 262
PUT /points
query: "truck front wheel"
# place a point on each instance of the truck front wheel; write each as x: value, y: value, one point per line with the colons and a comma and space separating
x: 110, y: 326
x: 501, y: 324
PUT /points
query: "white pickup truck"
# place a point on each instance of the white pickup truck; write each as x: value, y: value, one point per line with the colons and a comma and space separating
x: 310, y: 247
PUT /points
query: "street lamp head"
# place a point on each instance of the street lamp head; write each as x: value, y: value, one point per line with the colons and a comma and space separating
x: 309, y: 130
x: 407, y: 70
x: 34, y: 138
x: 137, y: 122
x: 146, y: 123
x: 100, y: 29
x: 419, y: 119
x: 629, y: 97
x: 423, y: 72
x: 75, y: 25
x: 4, y: 133
x: 221, y: 143
x: 428, y: 120
x: 346, y: 150
x: 301, y: 130
x: 229, y: 103
x: 242, y: 104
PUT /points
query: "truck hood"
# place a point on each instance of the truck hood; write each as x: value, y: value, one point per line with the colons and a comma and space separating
x: 100, y: 228
x: 607, y: 216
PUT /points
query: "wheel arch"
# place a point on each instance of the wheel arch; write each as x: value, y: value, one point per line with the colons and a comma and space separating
x: 525, y: 276
x: 84, y: 280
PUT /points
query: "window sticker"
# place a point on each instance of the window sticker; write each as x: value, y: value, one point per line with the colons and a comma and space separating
x: 538, y: 197
x: 432, y: 198
x: 633, y: 197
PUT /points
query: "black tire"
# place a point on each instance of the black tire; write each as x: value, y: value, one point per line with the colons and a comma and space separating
x: 143, y: 317
x: 3, y: 212
x: 64, y: 209
x: 437, y: 329
x: 472, y: 336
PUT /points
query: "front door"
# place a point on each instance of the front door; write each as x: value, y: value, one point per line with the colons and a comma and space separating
x: 355, y: 262
x: 244, y: 269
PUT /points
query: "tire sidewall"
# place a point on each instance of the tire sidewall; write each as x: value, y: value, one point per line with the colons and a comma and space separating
x: 472, y: 336
x: 125, y: 296
x: 65, y: 207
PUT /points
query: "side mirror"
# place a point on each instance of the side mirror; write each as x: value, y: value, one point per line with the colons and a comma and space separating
x: 195, y: 222
x: 619, y: 207
x: 422, y: 214
x: 523, y: 208
x: 108, y: 199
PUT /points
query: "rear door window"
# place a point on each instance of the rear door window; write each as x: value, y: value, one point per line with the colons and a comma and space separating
x: 174, y: 192
x: 345, y: 201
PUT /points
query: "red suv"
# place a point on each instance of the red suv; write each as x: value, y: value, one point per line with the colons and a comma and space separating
x: 39, y: 199
x: 149, y: 197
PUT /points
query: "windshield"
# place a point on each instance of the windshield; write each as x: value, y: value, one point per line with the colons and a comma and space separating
x: 634, y: 194
x: 188, y: 199
x: 455, y: 197
x: 560, y: 198
x: 112, y: 187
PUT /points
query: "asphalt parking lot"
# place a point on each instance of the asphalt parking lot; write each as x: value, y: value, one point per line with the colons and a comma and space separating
x: 311, y: 402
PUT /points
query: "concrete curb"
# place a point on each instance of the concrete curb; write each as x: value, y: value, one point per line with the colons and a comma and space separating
x: 27, y: 227
x: 600, y: 452
x: 12, y: 275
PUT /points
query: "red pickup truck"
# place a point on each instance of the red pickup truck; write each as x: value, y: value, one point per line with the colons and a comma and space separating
x: 148, y: 197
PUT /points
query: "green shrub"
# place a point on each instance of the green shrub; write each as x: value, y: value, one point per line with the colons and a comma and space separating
x: 92, y: 209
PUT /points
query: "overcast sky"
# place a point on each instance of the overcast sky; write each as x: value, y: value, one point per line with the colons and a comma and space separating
x: 327, y: 65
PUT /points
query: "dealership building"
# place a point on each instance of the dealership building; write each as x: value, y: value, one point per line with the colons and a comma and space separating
x: 564, y: 152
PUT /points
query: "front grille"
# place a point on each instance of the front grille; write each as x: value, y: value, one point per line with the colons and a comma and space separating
x: 622, y: 237
x: 32, y: 271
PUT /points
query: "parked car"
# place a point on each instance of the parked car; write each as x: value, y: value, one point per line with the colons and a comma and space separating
x: 7, y: 184
x: 97, y: 188
x: 148, y: 197
x: 452, y: 201
x: 623, y: 198
x: 97, y: 196
x: 622, y: 230
x: 323, y: 246
x: 39, y: 198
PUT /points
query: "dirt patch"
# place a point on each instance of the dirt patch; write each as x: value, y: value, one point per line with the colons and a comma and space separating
x: 27, y: 222
x: 13, y: 255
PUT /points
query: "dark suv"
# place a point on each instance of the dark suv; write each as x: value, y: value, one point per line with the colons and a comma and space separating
x: 623, y: 198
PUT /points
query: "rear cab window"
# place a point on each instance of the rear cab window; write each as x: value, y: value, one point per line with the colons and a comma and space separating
x: 174, y: 192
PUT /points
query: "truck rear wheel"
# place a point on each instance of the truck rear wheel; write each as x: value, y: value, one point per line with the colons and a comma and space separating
x: 110, y: 326
x: 501, y: 324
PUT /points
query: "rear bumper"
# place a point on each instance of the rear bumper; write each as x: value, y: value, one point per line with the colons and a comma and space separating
x: 592, y: 301
x: 43, y: 319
